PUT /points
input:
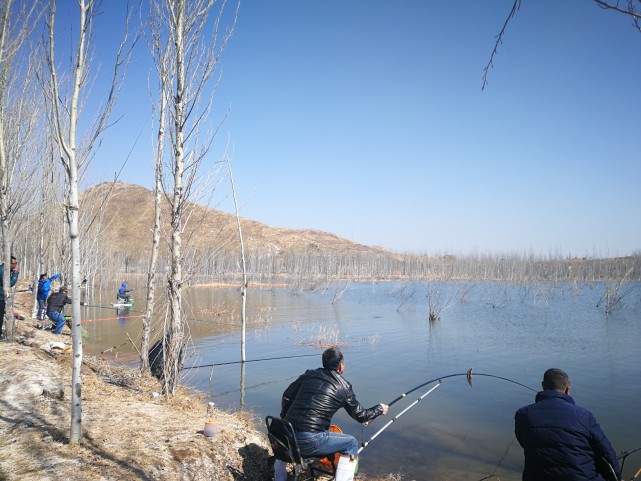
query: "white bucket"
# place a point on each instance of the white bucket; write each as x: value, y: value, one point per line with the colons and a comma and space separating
x: 345, y: 469
x: 211, y: 428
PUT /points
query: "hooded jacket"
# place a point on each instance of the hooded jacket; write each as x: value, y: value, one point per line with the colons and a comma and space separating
x: 45, y: 286
x: 562, y: 441
x: 310, y: 402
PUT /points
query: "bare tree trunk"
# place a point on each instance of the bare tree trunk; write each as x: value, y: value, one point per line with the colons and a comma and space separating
x: 5, y: 248
x: 66, y: 122
x: 155, y: 244
x: 243, y: 290
x: 176, y: 330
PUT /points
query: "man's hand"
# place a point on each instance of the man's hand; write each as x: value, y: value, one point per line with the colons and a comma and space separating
x: 385, y: 408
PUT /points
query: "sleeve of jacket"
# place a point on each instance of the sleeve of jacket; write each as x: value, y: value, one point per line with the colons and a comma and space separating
x: 289, y: 395
x: 54, y: 277
x: 14, y: 278
x: 356, y: 411
x: 602, y: 447
x: 67, y: 300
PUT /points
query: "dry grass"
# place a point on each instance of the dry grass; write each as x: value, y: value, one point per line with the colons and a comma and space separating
x: 325, y: 338
x: 128, y: 432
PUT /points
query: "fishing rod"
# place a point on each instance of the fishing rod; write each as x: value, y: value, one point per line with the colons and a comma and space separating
x: 365, y: 444
x: 109, y: 318
x: 240, y: 362
x: 467, y: 374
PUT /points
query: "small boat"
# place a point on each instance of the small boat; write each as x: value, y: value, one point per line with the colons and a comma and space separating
x: 123, y: 302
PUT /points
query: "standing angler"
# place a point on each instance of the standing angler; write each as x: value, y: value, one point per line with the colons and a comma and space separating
x: 44, y: 286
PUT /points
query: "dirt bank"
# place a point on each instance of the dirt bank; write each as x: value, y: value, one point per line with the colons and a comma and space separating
x: 129, y: 433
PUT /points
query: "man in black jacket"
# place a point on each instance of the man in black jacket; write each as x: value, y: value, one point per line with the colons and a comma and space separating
x: 562, y: 441
x: 55, y: 306
x: 310, y: 402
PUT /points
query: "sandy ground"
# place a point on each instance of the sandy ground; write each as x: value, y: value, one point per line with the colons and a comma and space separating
x: 128, y: 432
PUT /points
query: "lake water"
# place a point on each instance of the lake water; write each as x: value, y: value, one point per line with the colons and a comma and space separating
x: 459, y: 431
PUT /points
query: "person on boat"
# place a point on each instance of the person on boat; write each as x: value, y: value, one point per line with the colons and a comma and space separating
x: 55, y: 306
x: 310, y: 402
x: 123, y: 294
x: 44, y: 287
x: 562, y: 441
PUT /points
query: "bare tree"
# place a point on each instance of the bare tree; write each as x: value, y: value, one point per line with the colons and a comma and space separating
x: 243, y: 289
x: 195, y: 53
x: 438, y: 300
x: 74, y: 156
x: 159, y: 48
x: 18, y: 116
x: 616, y: 290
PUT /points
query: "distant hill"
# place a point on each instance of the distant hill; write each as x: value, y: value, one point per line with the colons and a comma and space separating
x: 127, y: 221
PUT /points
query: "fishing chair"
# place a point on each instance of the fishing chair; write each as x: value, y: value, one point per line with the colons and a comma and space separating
x: 282, y: 438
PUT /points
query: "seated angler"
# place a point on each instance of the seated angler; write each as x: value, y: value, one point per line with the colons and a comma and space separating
x: 309, y: 404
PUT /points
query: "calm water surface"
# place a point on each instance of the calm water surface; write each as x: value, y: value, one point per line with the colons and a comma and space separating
x: 459, y: 431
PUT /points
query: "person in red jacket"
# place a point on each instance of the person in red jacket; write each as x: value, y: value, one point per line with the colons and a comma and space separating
x: 562, y: 441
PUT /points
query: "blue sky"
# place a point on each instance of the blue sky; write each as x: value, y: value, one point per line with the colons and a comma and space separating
x: 367, y: 119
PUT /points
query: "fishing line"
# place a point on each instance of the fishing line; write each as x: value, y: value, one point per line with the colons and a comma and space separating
x: 109, y: 318
x: 251, y: 360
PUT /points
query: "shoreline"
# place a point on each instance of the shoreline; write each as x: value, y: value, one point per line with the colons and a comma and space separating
x: 129, y: 431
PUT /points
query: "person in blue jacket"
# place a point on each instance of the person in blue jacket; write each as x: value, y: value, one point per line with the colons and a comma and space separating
x: 12, y: 282
x: 44, y: 286
x: 123, y: 293
x: 562, y: 441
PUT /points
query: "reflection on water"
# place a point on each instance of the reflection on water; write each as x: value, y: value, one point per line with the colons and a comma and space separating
x: 460, y: 431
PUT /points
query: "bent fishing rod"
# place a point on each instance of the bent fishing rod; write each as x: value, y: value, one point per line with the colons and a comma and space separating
x: 364, y: 445
x: 468, y: 374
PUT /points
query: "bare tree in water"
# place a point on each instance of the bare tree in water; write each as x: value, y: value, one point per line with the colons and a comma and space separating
x: 190, y: 35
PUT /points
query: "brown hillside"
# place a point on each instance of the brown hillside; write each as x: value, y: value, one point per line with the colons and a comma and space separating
x: 128, y: 220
